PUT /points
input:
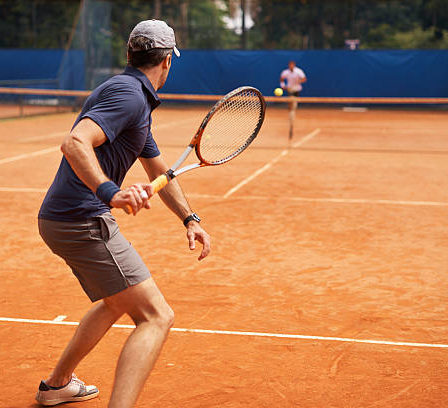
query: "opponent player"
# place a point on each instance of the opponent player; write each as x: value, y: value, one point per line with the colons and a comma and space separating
x: 111, y: 132
x: 291, y: 80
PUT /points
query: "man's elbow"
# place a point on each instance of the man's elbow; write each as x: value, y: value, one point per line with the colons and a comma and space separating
x: 64, y: 146
x: 69, y: 144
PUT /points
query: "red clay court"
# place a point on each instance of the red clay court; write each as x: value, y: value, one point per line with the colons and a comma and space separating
x: 326, y: 286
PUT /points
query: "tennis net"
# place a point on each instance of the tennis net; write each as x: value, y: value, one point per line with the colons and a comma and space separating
x: 20, y: 102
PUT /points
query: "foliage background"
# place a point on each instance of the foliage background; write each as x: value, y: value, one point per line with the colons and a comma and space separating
x: 100, y: 27
x: 283, y: 24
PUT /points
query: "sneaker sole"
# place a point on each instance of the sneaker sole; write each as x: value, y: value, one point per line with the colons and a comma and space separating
x: 49, y: 403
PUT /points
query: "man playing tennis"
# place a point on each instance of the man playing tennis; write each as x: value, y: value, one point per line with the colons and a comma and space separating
x: 111, y: 132
x: 291, y: 80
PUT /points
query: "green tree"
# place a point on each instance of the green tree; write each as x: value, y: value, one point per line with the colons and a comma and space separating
x: 36, y: 23
x: 279, y: 24
x: 434, y: 17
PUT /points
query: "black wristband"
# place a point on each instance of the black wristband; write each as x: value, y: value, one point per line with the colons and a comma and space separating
x: 106, y: 191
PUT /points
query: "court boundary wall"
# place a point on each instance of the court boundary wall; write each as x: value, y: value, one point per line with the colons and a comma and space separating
x: 330, y: 73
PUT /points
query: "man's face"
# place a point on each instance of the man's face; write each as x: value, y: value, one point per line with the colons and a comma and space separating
x: 291, y: 65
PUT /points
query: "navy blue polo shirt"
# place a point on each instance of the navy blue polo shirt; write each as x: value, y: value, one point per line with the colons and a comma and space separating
x: 122, y: 107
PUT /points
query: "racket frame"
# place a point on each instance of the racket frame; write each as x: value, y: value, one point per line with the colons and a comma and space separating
x: 194, y: 144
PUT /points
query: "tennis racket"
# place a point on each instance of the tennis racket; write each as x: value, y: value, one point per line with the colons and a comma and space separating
x: 226, y: 131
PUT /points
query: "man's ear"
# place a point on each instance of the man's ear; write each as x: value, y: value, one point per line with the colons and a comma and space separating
x: 166, y: 63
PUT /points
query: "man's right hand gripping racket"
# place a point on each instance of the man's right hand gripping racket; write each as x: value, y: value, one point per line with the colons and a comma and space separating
x: 226, y: 131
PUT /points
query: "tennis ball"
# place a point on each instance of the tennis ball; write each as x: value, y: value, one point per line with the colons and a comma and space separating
x: 278, y: 91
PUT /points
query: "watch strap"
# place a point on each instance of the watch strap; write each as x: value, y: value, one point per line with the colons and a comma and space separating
x: 191, y: 217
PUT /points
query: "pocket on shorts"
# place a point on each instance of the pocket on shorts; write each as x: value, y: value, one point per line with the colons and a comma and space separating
x: 96, y: 229
x: 103, y: 227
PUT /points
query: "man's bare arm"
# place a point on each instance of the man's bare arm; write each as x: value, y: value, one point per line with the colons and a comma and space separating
x: 78, y: 149
x: 174, y: 198
x: 282, y: 81
x: 172, y: 194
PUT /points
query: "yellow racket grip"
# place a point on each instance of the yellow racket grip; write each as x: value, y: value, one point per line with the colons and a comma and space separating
x: 160, y: 182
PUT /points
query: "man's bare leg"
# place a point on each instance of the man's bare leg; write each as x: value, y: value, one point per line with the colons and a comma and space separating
x: 153, y: 318
x: 292, y: 118
x: 90, y: 331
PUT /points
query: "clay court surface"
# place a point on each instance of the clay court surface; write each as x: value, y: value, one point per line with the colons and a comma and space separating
x: 339, y: 237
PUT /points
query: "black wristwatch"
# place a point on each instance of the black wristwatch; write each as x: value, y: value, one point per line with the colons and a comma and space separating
x: 192, y: 217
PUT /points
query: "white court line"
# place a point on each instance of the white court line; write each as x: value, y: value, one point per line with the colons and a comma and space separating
x: 269, y: 165
x: 331, y: 200
x: 353, y: 109
x: 245, y: 333
x: 305, y: 139
x: 27, y: 155
x: 59, y: 318
x: 251, y: 198
x: 43, y: 137
x: 367, y: 201
x: 55, y: 148
x: 22, y: 190
x: 58, y: 134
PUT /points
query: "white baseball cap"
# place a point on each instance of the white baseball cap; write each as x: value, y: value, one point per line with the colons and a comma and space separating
x: 159, y: 34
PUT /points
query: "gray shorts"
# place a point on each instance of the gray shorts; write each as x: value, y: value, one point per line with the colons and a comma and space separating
x: 102, y: 259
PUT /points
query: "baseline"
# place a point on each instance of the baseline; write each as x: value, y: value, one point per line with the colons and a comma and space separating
x: 243, y: 333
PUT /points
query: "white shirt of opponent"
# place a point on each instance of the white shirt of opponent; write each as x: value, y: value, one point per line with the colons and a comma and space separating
x: 293, y: 79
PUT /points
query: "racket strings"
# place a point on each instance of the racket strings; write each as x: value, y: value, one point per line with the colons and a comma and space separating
x: 232, y: 127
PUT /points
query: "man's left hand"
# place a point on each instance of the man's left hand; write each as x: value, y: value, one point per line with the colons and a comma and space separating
x: 196, y: 233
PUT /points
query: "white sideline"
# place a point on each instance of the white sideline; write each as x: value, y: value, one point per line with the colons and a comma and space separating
x: 269, y: 165
x: 244, y: 333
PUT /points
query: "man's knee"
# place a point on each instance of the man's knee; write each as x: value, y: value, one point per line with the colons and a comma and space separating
x: 162, y: 316
x: 168, y: 318
x: 143, y: 303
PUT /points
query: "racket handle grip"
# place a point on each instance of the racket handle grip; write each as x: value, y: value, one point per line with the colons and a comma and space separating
x: 159, y: 183
x: 128, y: 209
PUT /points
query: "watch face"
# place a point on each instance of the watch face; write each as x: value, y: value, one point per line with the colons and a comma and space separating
x: 195, y: 217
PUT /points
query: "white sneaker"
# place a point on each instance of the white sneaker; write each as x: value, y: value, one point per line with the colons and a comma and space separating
x: 74, y: 391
